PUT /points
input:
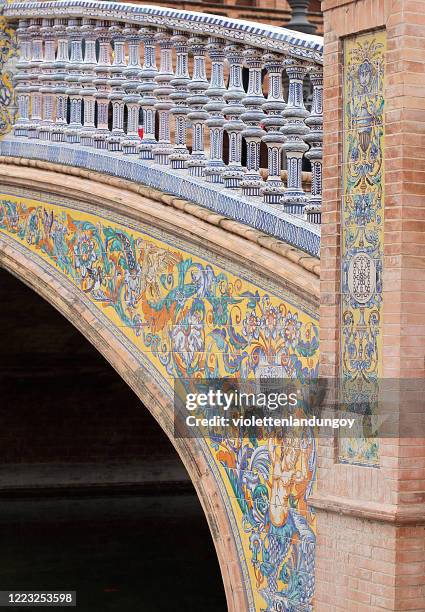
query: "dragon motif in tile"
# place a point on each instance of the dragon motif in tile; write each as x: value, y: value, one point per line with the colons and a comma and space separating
x: 193, y: 318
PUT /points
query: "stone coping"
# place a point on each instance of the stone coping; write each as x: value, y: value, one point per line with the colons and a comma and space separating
x: 413, y: 514
x: 264, y: 254
x: 251, y: 211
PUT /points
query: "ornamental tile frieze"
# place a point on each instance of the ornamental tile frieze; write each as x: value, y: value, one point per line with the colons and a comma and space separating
x: 8, y: 53
x: 362, y: 228
x: 192, y: 317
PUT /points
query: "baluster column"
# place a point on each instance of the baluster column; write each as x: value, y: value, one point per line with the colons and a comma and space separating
x: 215, y: 92
x: 60, y: 67
x: 295, y: 129
x: 23, y: 79
x: 254, y: 115
x: 88, y: 90
x: 117, y: 83
x: 75, y: 37
x: 35, y: 71
x: 273, y: 190
x: 197, y: 100
x: 180, y: 155
x: 146, y: 89
x: 102, y: 83
x: 71, y: 88
x: 314, y: 138
x: 163, y: 149
x: 132, y: 73
x: 46, y: 79
x: 233, y: 125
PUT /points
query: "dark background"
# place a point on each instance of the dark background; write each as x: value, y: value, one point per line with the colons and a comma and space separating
x: 93, y: 496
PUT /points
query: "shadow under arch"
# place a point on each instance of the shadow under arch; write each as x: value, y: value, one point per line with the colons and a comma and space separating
x: 122, y: 356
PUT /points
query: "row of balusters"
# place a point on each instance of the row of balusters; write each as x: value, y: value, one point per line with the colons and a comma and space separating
x: 83, y: 81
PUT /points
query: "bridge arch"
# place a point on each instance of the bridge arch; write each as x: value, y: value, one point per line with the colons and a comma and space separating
x: 91, y: 486
x: 72, y: 305
x: 37, y: 204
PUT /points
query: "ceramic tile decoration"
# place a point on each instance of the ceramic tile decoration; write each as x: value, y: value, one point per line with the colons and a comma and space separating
x: 362, y: 229
x: 186, y: 317
x: 85, y: 70
x: 8, y: 51
x: 87, y: 75
x: 251, y: 211
x: 306, y: 46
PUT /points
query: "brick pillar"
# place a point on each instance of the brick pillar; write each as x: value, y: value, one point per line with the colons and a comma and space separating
x: 371, y: 507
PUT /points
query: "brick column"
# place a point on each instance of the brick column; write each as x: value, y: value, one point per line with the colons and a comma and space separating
x: 371, y: 512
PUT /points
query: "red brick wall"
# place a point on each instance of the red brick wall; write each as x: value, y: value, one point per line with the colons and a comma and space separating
x: 371, y: 537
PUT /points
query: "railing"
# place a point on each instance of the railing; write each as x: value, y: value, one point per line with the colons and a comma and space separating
x: 87, y: 68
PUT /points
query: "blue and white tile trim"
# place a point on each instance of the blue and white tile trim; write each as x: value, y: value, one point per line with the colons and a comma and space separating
x: 251, y: 211
x: 279, y: 40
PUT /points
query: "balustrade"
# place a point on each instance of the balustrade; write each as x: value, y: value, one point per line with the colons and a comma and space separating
x: 117, y: 83
x: 197, y: 100
x: 23, y: 79
x: 215, y: 165
x: 253, y: 117
x: 86, y: 81
x: 102, y: 82
x: 315, y: 138
x: 46, y: 79
x: 147, y: 88
x: 295, y: 130
x: 164, y: 77
x: 179, y: 95
x: 234, y: 125
x: 274, y: 122
x: 35, y: 72
x: 75, y: 44
x: 60, y: 67
x: 131, y: 100
x: 88, y: 90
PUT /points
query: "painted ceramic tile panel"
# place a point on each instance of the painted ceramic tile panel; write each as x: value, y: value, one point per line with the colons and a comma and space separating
x: 192, y: 318
x: 362, y: 228
x: 8, y: 51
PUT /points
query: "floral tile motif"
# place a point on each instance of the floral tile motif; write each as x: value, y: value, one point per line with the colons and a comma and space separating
x: 190, y: 317
x: 8, y: 51
x: 362, y: 228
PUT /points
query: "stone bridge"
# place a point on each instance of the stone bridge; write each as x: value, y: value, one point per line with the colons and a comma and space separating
x: 161, y: 186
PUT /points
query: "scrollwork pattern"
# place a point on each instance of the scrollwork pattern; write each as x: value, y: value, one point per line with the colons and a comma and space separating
x: 192, y: 318
x: 8, y: 51
x: 362, y: 229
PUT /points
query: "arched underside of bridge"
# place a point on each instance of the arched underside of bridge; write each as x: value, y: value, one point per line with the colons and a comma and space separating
x: 165, y: 294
